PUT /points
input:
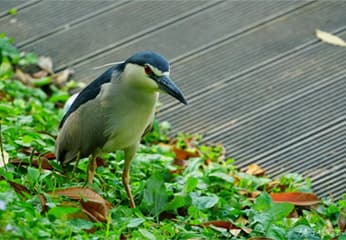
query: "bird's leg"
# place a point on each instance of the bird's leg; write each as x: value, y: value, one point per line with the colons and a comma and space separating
x: 92, y: 165
x: 129, y: 154
x: 76, y: 164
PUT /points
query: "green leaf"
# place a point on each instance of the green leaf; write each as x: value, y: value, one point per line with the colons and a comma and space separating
x: 148, y: 235
x: 204, y: 202
x: 276, y: 232
x: 42, y: 82
x: 342, y: 236
x: 60, y: 212
x: 191, y: 184
x: 5, y: 110
x: 80, y: 223
x: 223, y: 176
x: 155, y: 194
x: 135, y: 222
x: 263, y: 202
x: 29, y: 58
x: 177, y: 202
x: 5, y: 67
x: 33, y: 175
x: 262, y: 222
x: 302, y: 232
x: 12, y: 11
x: 279, y: 211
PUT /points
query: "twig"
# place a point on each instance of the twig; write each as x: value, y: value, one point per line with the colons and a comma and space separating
x: 2, y: 149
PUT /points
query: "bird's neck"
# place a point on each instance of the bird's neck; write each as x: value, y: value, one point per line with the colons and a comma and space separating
x: 136, y: 95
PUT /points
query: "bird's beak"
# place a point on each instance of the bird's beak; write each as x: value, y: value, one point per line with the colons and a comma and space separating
x: 168, y: 86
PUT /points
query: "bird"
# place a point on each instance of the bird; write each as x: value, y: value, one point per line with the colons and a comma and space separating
x: 114, y: 112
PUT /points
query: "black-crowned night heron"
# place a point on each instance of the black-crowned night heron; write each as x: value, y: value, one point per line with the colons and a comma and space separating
x: 114, y: 111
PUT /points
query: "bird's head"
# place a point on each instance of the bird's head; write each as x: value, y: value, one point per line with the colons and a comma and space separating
x: 149, y: 71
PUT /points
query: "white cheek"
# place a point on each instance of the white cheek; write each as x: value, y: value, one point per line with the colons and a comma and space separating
x: 148, y: 83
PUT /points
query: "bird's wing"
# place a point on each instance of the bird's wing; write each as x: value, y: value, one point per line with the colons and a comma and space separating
x: 149, y: 128
x: 91, y: 91
x: 82, y: 127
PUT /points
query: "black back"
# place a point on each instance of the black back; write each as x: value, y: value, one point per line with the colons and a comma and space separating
x: 92, y: 90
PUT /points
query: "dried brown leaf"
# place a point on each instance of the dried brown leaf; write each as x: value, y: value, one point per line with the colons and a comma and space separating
x: 46, y: 64
x: 3, y: 158
x: 79, y: 193
x: 42, y: 163
x: 255, y: 194
x: 330, y: 38
x: 49, y: 156
x: 255, y: 170
x: 182, y: 154
x: 23, y: 77
x: 276, y: 184
x: 82, y: 214
x: 218, y: 223
x: 241, y: 220
x: 342, y: 221
x: 296, y: 198
x: 293, y: 214
x: 43, y: 202
x: 20, y: 189
x: 40, y: 74
x: 61, y: 78
x: 235, y: 232
x: 91, y: 202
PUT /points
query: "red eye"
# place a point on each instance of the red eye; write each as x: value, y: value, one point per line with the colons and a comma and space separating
x: 148, y: 70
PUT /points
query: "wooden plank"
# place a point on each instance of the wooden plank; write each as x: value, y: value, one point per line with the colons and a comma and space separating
x: 238, y: 98
x: 6, y: 5
x: 195, y: 32
x: 267, y: 43
x: 48, y: 17
x: 109, y: 28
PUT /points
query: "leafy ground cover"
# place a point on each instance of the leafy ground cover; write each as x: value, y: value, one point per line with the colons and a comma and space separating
x: 183, y: 188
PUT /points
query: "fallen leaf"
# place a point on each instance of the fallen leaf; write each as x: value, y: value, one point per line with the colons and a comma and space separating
x: 23, y: 77
x: 40, y: 74
x: 100, y: 162
x: 61, y: 78
x: 3, y: 157
x: 220, y: 224
x: 182, y: 154
x: 330, y: 38
x: 235, y: 232
x: 92, y: 203
x: 255, y: 194
x: 49, y: 156
x: 342, y: 221
x: 275, y: 184
x: 241, y: 220
x: 82, y: 214
x: 293, y: 214
x: 329, y: 226
x: 255, y: 170
x: 43, y: 202
x: 296, y: 198
x: 46, y: 64
x: 20, y: 189
x: 42, y: 162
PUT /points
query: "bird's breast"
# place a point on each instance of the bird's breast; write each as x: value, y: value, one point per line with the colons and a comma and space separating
x: 127, y: 117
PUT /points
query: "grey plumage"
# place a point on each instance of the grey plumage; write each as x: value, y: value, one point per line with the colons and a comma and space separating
x: 90, y: 129
x: 114, y: 111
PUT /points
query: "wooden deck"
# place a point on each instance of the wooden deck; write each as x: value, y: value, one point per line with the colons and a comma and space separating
x: 256, y: 77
